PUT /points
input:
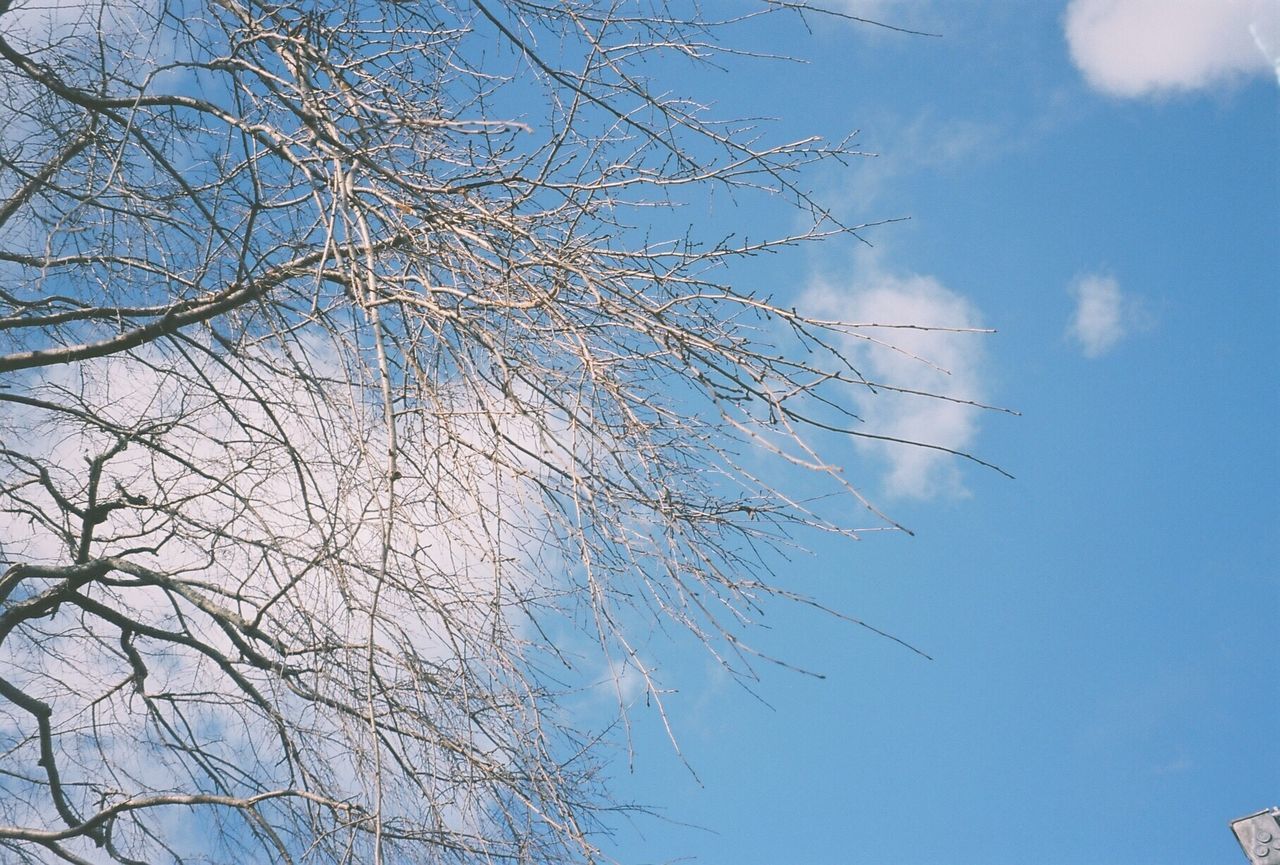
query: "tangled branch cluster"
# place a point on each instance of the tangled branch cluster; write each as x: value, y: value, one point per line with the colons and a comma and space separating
x: 339, y: 385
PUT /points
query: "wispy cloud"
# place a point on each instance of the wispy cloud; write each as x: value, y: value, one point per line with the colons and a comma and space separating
x: 905, y: 149
x: 1134, y: 48
x: 892, y: 13
x: 895, y: 345
x: 1103, y: 315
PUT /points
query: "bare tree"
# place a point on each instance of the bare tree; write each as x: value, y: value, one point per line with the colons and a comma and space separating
x: 352, y: 357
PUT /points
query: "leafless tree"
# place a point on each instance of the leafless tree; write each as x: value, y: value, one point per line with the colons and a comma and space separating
x: 360, y: 382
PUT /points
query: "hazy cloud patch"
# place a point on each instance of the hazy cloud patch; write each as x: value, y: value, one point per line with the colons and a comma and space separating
x: 923, y: 145
x: 874, y: 16
x: 50, y: 29
x: 1135, y: 48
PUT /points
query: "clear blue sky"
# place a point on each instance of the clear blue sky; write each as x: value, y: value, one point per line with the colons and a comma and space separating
x: 1101, y: 185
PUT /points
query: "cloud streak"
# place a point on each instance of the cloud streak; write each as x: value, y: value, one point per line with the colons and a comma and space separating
x: 1135, y: 48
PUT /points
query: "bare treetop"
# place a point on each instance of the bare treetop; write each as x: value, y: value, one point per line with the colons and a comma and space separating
x: 352, y: 358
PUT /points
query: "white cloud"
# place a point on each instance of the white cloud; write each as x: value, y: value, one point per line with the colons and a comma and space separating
x: 464, y: 550
x: 1102, y: 316
x: 896, y: 344
x: 1137, y: 47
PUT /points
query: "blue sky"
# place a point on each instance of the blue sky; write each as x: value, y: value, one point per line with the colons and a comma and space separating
x: 1098, y: 181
